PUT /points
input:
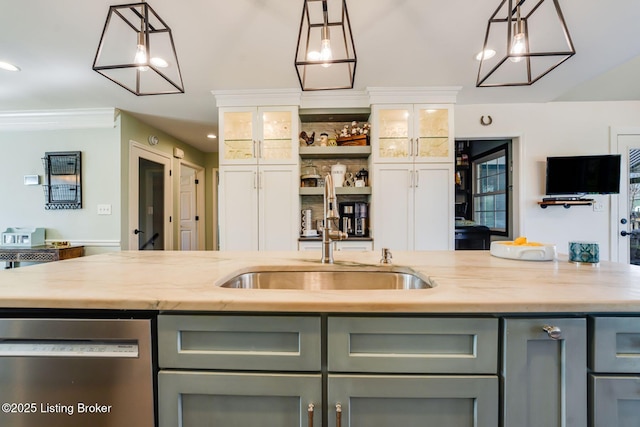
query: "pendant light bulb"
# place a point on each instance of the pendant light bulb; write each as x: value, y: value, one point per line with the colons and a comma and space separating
x: 325, y: 47
x: 519, y: 42
x: 141, y: 53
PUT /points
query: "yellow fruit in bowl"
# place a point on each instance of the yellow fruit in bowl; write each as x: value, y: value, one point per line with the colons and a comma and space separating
x: 522, y: 241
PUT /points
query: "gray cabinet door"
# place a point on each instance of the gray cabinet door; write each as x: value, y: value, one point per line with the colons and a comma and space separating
x: 615, y: 344
x: 412, y: 401
x: 410, y: 345
x: 242, y: 343
x: 616, y: 401
x: 205, y: 399
x: 545, y: 379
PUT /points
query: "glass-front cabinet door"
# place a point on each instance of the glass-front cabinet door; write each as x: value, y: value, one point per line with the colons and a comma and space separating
x: 253, y: 135
x: 278, y: 142
x: 393, y: 134
x: 407, y: 133
x: 433, y: 138
x: 238, y: 143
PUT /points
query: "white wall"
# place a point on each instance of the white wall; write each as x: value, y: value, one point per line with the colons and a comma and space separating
x: 23, y: 206
x: 549, y: 130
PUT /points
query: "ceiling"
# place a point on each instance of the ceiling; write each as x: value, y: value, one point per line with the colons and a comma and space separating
x: 250, y: 44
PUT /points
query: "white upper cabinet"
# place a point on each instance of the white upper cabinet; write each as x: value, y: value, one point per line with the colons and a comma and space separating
x: 412, y: 133
x: 259, y: 135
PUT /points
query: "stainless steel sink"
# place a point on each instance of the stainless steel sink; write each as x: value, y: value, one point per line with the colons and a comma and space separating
x: 327, y: 279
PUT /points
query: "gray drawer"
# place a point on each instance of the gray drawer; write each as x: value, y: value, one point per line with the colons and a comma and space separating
x: 615, y: 400
x: 413, y: 345
x: 615, y: 344
x: 254, y: 343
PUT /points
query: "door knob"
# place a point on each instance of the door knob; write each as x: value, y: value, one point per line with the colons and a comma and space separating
x: 624, y: 233
x: 136, y: 231
x: 623, y: 221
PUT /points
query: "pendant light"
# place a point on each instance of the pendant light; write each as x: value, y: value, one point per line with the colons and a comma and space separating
x: 530, y: 38
x: 325, y: 55
x: 136, y: 51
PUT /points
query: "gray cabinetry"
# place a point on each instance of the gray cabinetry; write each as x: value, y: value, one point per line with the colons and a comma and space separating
x: 614, y: 360
x: 239, y: 342
x: 268, y: 371
x: 413, y: 345
x: 206, y: 398
x: 403, y: 355
x: 413, y: 401
x: 545, y: 378
x: 238, y: 371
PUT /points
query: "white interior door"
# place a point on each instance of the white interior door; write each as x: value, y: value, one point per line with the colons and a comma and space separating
x: 627, y: 231
x: 149, y: 199
x: 188, y: 213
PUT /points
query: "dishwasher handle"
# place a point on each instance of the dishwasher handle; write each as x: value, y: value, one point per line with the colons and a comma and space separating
x: 125, y: 349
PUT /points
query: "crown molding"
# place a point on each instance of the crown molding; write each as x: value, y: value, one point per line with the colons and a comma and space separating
x: 253, y: 97
x: 413, y: 95
x: 335, y: 99
x: 30, y: 120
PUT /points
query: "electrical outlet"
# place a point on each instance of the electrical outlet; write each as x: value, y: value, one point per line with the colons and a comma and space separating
x: 104, y: 209
x: 598, y: 206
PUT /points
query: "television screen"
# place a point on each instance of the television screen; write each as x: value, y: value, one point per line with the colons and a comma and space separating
x: 583, y: 175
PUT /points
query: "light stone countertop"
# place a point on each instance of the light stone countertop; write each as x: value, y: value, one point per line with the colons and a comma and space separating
x: 466, y: 282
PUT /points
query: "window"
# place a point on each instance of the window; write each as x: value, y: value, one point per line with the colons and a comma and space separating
x: 491, y: 182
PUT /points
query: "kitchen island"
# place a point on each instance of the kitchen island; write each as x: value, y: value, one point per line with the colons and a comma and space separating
x: 494, y: 342
x: 464, y: 282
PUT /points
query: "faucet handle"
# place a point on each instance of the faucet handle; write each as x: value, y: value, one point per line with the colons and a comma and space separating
x: 386, y: 256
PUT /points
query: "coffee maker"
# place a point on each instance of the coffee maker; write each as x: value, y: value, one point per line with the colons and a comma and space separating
x: 353, y: 218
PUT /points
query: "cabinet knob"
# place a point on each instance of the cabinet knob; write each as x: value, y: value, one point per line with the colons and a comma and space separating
x: 553, y: 331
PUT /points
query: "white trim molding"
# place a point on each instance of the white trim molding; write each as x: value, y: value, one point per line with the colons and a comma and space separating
x: 413, y: 95
x: 30, y: 120
x: 335, y: 99
x: 251, y: 98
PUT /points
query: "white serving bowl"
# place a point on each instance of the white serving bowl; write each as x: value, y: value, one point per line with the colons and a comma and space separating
x: 501, y: 249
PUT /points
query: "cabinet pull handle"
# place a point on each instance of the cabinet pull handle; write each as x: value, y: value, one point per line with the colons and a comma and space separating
x: 310, y: 414
x: 417, y: 179
x: 255, y: 180
x: 411, y: 147
x: 553, y: 331
x: 410, y: 179
x: 260, y: 148
x: 338, y: 415
x: 418, y: 147
x: 253, y: 149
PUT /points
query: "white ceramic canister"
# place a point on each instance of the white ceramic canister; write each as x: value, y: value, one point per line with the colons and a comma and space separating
x: 337, y: 173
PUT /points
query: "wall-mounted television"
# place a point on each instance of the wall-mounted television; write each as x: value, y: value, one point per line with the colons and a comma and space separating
x: 579, y: 175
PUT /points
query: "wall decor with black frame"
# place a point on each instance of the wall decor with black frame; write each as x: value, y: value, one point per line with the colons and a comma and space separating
x: 63, y: 178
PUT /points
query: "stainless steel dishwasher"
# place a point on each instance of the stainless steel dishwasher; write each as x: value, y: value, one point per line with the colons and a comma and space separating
x: 76, y: 372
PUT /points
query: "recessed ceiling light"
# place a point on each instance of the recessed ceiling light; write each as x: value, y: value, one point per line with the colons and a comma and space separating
x: 211, y: 136
x: 485, y: 54
x: 8, y: 67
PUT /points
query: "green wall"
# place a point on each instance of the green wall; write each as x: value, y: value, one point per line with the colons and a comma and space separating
x: 133, y: 129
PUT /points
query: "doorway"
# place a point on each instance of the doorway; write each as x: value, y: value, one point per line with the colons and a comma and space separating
x: 626, y: 230
x: 149, y: 199
x: 486, y: 179
x: 192, y: 236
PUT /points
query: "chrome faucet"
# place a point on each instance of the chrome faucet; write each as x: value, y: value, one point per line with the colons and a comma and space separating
x: 386, y: 256
x: 329, y: 234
